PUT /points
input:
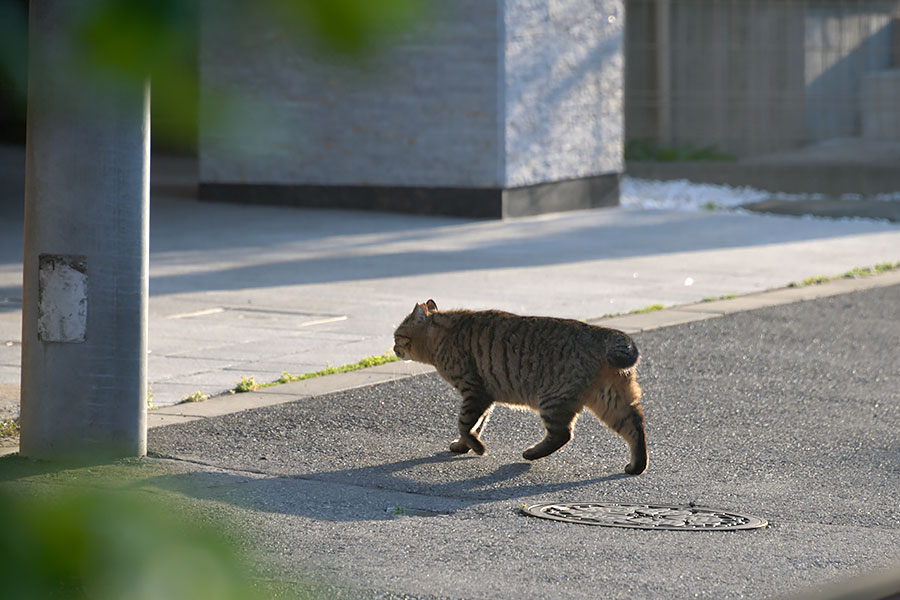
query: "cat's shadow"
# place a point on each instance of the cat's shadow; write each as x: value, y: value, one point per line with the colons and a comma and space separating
x: 377, y: 492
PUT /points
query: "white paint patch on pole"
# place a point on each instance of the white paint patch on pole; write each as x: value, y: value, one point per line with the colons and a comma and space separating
x: 62, y: 298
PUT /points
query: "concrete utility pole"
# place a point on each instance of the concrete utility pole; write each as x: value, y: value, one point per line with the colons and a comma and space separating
x: 84, y: 331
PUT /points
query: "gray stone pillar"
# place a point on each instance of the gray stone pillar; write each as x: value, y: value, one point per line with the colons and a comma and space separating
x: 84, y: 332
x: 489, y: 108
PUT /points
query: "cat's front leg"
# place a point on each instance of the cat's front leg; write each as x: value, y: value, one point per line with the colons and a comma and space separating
x: 473, y: 415
x: 461, y: 447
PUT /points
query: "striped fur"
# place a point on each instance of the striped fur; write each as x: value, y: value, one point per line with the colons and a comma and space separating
x: 556, y: 367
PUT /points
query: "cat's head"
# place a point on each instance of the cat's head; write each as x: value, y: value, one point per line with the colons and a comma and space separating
x: 410, y: 334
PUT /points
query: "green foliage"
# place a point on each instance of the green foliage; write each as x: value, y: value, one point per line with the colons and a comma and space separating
x: 13, y: 52
x: 197, y: 396
x: 246, y: 384
x: 349, y: 27
x: 108, y: 545
x: 652, y: 151
x: 648, y: 309
x: 9, y: 428
x: 722, y: 297
x: 369, y: 361
x: 854, y: 273
x: 249, y: 384
x: 120, y: 43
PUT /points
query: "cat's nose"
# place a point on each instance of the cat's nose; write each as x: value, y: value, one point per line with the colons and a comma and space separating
x: 399, y: 352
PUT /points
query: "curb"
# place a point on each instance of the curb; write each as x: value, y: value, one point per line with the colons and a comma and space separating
x: 634, y: 323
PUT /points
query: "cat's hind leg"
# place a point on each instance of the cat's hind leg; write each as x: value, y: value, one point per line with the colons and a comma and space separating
x: 473, y: 416
x: 630, y: 425
x: 559, y: 421
x: 617, y: 403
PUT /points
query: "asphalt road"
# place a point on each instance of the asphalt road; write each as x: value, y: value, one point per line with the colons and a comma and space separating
x: 790, y: 413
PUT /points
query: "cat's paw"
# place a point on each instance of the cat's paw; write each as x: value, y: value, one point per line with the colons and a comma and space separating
x: 459, y: 447
x: 532, y: 454
x: 463, y: 446
x: 636, y: 468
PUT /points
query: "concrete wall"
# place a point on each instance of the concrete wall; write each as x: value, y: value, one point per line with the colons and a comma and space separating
x: 736, y: 70
x: 842, y: 43
x: 485, y: 94
x: 563, y: 96
x: 423, y: 112
x: 756, y: 77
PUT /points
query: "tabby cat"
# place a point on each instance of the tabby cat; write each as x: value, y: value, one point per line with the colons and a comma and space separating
x: 556, y: 367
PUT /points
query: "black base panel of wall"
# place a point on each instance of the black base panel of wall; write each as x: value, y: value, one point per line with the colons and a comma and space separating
x: 557, y: 196
x: 478, y: 203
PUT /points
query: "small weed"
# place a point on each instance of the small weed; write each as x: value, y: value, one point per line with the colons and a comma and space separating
x: 887, y: 266
x: 648, y: 150
x: 637, y: 311
x: 710, y: 206
x: 197, y: 396
x: 9, y: 428
x: 246, y: 384
x: 717, y: 298
x: 398, y: 510
x: 648, y: 309
x: 854, y: 273
x: 369, y: 361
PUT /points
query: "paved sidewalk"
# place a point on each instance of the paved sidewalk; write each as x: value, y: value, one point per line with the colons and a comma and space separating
x: 256, y: 291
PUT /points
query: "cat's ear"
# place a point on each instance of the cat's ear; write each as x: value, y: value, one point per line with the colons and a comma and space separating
x: 418, y: 313
x: 431, y: 306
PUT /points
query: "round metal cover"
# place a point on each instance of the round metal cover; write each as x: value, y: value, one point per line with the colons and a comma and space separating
x: 646, y: 516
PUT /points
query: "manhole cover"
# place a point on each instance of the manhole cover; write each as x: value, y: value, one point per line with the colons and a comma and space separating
x: 646, y: 516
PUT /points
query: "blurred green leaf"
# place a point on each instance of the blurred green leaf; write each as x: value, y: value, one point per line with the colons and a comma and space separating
x: 112, y: 545
x: 120, y: 41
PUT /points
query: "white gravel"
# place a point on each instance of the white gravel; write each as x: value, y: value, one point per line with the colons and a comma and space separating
x: 685, y: 195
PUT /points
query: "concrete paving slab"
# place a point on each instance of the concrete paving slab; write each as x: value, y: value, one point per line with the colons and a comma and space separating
x: 10, y: 327
x: 218, y: 379
x: 158, y: 419
x: 237, y: 372
x: 223, y: 405
x: 177, y: 366
x: 10, y: 354
x: 653, y: 320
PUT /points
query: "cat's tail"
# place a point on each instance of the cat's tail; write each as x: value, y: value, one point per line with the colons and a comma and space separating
x: 621, y: 351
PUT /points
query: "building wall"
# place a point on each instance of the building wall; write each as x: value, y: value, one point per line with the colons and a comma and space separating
x: 422, y: 112
x: 843, y: 42
x: 563, y: 72
x: 756, y: 77
x: 484, y: 94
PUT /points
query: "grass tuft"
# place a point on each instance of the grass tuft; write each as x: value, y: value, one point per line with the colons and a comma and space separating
x: 369, y: 361
x: 197, y: 396
x: 246, y: 384
x: 854, y: 273
x: 648, y: 309
x: 9, y: 428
